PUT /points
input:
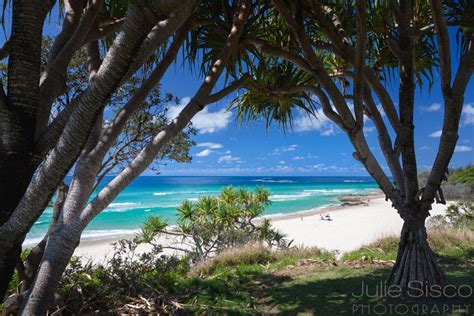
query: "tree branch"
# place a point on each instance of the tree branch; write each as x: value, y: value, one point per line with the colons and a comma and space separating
x: 53, y: 80
x: 443, y: 45
x: 363, y: 153
x: 25, y: 59
x: 104, y: 29
x: 86, y: 108
x: 237, y: 84
x: 385, y: 141
x: 148, y: 154
x: 72, y: 14
x: 93, y: 59
x: 110, y: 134
x: 359, y: 63
x: 317, y: 69
x: 347, y: 52
x: 277, y: 52
x: 449, y: 135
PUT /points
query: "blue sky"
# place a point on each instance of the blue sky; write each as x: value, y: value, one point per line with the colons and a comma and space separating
x: 313, y: 147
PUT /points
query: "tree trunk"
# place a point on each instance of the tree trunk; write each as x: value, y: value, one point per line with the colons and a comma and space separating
x: 416, y: 265
x: 7, y: 267
x: 59, y: 250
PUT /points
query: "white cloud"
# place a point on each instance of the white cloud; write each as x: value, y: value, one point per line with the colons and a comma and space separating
x: 205, y: 121
x: 461, y: 149
x: 298, y: 158
x: 435, y: 134
x: 228, y: 158
x: 329, y: 131
x: 468, y: 114
x: 290, y: 148
x: 285, y: 149
x: 323, y: 167
x: 435, y: 107
x: 282, y: 168
x: 321, y: 123
x: 424, y: 148
x: 209, y: 145
x: 204, y: 153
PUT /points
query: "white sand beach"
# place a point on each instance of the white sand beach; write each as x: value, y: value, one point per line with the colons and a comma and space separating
x: 351, y: 227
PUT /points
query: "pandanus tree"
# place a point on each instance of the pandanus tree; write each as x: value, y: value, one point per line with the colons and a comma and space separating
x: 77, y: 139
x: 346, y: 57
x: 36, y: 153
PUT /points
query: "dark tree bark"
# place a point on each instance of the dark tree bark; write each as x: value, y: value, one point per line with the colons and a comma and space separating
x: 18, y: 117
x: 416, y: 266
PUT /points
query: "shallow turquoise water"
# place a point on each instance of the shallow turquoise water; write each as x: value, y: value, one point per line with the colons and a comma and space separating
x: 161, y: 195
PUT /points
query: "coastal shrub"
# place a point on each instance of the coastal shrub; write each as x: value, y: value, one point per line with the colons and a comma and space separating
x: 461, y: 215
x: 437, y: 222
x: 463, y: 175
x: 128, y: 274
x: 213, y: 224
x: 459, y: 186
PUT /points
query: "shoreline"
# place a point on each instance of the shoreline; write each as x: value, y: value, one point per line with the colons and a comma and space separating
x: 357, y: 220
x: 361, y: 198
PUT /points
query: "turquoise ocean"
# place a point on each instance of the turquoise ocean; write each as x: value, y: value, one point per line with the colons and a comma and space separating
x: 160, y: 195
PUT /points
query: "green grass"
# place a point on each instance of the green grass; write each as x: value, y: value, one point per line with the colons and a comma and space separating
x: 330, y: 292
x: 452, y: 246
x: 383, y: 249
x: 310, y: 282
x: 259, y: 255
x: 250, y: 289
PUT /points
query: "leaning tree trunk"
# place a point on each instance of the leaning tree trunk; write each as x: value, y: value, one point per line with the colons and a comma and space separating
x: 59, y: 249
x: 416, y: 265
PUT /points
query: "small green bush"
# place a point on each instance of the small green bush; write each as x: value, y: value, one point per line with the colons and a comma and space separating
x: 214, y: 224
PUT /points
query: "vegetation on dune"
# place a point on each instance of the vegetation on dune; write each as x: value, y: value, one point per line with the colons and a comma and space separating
x: 458, y: 215
x: 452, y: 246
x: 254, y: 278
x: 459, y: 184
x: 463, y: 175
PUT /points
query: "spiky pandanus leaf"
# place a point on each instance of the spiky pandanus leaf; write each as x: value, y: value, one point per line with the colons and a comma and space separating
x: 266, y: 97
